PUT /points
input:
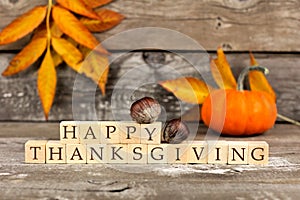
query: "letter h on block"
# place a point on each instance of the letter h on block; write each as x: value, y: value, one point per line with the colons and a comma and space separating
x: 69, y: 132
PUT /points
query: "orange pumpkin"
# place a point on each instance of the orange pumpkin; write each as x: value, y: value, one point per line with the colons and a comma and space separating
x: 237, y: 112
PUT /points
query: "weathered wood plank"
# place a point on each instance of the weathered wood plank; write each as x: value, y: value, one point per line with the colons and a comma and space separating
x: 236, y: 25
x: 279, y: 180
x: 19, y: 99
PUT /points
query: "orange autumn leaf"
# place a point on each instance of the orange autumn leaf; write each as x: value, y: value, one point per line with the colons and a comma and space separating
x: 72, y: 27
x: 258, y: 81
x: 109, y: 19
x: 57, y: 59
x: 95, y: 67
x: 46, y: 83
x: 96, y: 3
x: 69, y: 53
x: 55, y: 31
x: 188, y: 89
x: 79, y: 7
x: 23, y: 25
x: 221, y: 71
x: 28, y: 55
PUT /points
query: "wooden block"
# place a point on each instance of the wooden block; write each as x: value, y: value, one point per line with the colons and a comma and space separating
x: 198, y: 152
x: 117, y: 153
x: 55, y: 152
x: 151, y: 133
x: 157, y: 153
x: 96, y: 153
x: 110, y: 132
x: 237, y: 153
x: 89, y: 132
x: 177, y: 153
x: 217, y: 152
x: 130, y: 133
x: 258, y: 153
x: 76, y: 153
x: 137, y: 153
x: 35, y: 151
x: 69, y: 132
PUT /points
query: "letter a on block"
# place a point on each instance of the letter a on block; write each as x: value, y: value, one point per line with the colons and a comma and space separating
x: 89, y: 132
x: 35, y: 151
x: 258, y: 153
x: 69, y: 132
x: 76, y: 153
x: 151, y: 133
x: 55, y: 152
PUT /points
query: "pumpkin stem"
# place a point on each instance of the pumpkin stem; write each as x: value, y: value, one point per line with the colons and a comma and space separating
x: 244, y: 73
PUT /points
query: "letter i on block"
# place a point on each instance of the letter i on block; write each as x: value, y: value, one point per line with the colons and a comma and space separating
x: 237, y: 153
x: 55, y: 152
x: 177, y: 153
x: 258, y: 153
x: 151, y: 133
x: 76, y: 153
x: 69, y: 132
x: 35, y: 151
x: 217, y: 152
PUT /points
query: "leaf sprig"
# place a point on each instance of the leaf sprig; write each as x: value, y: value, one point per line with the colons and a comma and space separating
x: 63, y: 38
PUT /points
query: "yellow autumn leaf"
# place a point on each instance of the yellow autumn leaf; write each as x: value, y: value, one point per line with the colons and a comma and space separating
x: 23, y: 25
x: 57, y: 59
x: 72, y: 27
x: 78, y: 7
x: 221, y: 71
x: 55, y: 31
x: 46, y: 83
x: 188, y: 89
x: 69, y: 53
x: 96, y: 3
x: 109, y: 19
x: 258, y: 81
x: 95, y: 67
x: 28, y: 55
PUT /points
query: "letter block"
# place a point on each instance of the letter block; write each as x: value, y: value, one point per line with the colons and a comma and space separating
x: 110, y: 132
x: 157, y: 153
x: 35, y: 151
x: 217, y: 152
x: 89, y: 132
x: 151, y: 133
x: 76, y: 153
x: 55, y: 152
x: 69, y: 132
x: 178, y: 153
x: 137, y: 153
x: 96, y: 153
x: 237, y: 152
x: 130, y: 132
x: 258, y: 153
x: 117, y: 153
x: 198, y: 152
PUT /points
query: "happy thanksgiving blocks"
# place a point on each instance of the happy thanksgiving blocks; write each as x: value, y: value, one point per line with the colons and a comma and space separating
x: 132, y: 143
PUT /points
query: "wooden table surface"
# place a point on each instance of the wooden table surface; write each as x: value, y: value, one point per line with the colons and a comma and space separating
x: 279, y: 180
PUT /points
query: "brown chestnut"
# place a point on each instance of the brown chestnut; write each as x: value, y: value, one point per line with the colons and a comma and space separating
x: 175, y: 131
x: 145, y: 110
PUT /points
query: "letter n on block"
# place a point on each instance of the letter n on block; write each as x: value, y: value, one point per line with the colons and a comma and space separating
x: 55, y: 152
x: 35, y: 151
x: 151, y: 133
x: 76, y: 153
x: 237, y: 153
x: 96, y: 153
x: 258, y: 153
x: 69, y: 132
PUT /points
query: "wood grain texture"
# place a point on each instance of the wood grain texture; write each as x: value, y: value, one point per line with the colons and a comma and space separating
x: 279, y: 180
x: 261, y: 25
x: 19, y: 99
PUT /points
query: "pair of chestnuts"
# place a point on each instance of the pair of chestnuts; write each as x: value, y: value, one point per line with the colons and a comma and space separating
x: 147, y: 110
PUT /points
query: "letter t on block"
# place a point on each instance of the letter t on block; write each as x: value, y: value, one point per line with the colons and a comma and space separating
x: 35, y: 151
x: 69, y: 132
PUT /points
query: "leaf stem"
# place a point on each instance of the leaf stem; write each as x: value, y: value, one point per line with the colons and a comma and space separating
x: 244, y: 73
x: 48, y: 24
x: 288, y: 119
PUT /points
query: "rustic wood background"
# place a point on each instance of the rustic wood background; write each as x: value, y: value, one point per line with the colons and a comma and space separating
x: 270, y: 28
